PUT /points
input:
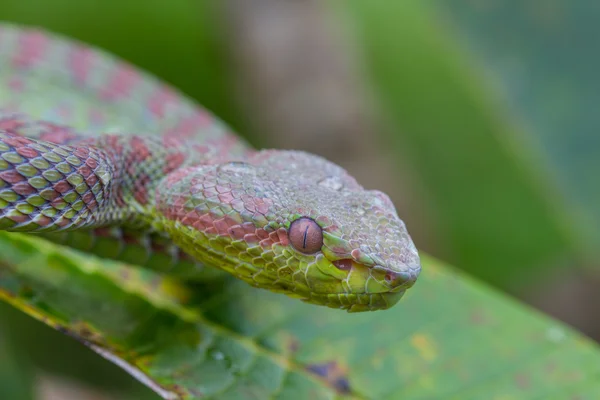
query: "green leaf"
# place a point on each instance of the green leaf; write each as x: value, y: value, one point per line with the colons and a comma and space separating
x: 451, y: 337
x: 548, y: 83
x: 489, y: 201
x: 16, y: 373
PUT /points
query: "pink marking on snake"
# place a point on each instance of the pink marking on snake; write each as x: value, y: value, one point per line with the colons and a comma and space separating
x: 251, y: 238
x: 56, y: 133
x: 27, y: 152
x: 120, y: 84
x: 43, y: 220
x: 284, y: 239
x: 222, y: 189
x: 237, y: 205
x: 30, y: 49
x: 203, y: 223
x: 257, y: 204
x: 139, y: 149
x: 236, y: 232
x: 266, y: 243
x: 223, y: 225
x: 88, y: 198
x: 113, y: 143
x: 11, y: 124
x: 91, y: 180
x: 90, y: 162
x: 206, y: 219
x: 63, y: 221
x: 280, y: 236
x: 58, y: 203
x: 201, y: 148
x: 170, y: 211
x: 15, y: 140
x: 62, y: 186
x: 262, y: 234
x: 92, y: 205
x: 141, y: 189
x: 19, y: 218
x: 227, y: 144
x: 322, y: 220
x: 333, y: 228
x: 200, y: 226
x: 179, y: 202
x: 170, y: 142
x: 81, y: 61
x: 84, y: 170
x: 176, y: 176
x: 226, y: 198
x: 173, y: 161
x: 210, y: 192
x: 82, y: 153
x: 160, y: 100
x: 191, y: 218
x: 190, y: 126
x: 248, y: 227
x: 23, y: 189
x: 119, y: 198
x: 11, y: 176
x: 263, y: 205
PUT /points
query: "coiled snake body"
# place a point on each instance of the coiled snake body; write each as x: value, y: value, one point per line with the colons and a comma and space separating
x: 99, y: 156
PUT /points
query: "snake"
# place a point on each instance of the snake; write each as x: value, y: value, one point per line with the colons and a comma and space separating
x: 106, y: 159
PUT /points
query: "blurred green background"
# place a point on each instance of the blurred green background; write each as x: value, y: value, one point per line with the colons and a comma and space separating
x: 477, y: 117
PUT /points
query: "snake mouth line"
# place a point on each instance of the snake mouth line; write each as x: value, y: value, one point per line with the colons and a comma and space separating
x: 352, y: 302
x: 346, y: 298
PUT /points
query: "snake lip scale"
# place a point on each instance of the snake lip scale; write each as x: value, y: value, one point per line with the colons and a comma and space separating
x: 102, y: 157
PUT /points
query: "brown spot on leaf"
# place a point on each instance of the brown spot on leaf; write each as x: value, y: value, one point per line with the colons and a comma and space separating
x: 522, y: 381
x: 334, y: 373
x: 479, y: 317
x: 293, y: 344
x: 125, y: 274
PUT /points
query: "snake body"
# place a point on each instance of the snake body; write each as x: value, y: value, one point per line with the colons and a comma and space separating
x: 99, y: 156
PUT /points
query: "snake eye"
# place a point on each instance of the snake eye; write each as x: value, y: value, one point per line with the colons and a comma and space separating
x: 306, y: 235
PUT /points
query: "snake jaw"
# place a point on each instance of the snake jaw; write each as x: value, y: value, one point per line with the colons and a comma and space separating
x: 363, y: 287
x: 353, y: 302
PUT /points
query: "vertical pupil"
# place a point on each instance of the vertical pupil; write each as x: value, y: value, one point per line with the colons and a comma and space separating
x: 305, y: 235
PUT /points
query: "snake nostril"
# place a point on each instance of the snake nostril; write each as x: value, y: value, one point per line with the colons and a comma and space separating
x: 396, y: 278
x: 389, y: 277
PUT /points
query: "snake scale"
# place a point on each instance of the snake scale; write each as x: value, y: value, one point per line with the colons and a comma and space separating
x: 96, y: 155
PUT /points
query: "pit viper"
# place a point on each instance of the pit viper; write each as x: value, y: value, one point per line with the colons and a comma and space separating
x: 104, y: 158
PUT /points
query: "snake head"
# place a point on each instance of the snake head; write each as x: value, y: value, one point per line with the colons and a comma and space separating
x: 294, y: 223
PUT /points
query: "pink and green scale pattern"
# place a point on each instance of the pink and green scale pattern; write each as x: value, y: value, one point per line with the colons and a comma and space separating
x: 106, y: 159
